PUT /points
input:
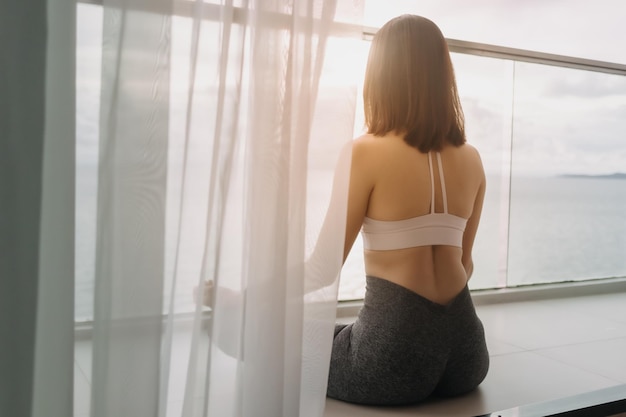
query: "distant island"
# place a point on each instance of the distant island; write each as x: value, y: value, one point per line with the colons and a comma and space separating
x: 616, y: 176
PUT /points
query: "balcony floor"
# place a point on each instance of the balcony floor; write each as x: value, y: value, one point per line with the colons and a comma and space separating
x: 540, y: 350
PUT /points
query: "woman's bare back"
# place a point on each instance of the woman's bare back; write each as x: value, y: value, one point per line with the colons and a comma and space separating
x: 400, y: 182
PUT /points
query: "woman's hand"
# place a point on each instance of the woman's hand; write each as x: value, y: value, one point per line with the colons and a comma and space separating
x: 203, y: 294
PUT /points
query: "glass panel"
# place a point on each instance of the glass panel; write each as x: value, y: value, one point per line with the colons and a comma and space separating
x: 190, y: 233
x: 568, y: 209
x: 485, y: 88
x: 545, y: 26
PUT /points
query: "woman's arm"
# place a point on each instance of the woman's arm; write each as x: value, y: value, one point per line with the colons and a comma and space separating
x: 472, y: 223
x: 361, y: 186
x: 348, y: 206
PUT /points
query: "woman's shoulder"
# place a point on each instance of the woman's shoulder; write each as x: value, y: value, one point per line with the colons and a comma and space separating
x: 474, y: 154
x: 468, y: 153
x: 363, y: 150
x: 465, y: 149
x: 377, y: 146
x: 367, y: 140
x: 471, y: 149
x: 470, y: 161
x: 367, y: 146
x: 374, y: 154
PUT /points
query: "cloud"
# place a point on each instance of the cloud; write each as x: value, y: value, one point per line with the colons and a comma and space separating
x: 591, y: 85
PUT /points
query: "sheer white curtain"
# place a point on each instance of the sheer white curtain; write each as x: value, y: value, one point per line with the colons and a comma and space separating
x: 220, y: 129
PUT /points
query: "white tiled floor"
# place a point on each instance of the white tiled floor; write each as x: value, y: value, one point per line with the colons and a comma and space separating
x: 540, y: 350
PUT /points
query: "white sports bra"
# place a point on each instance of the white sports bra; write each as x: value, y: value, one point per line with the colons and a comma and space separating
x: 429, y: 229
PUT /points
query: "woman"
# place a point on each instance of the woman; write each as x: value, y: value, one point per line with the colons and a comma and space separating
x: 416, y: 193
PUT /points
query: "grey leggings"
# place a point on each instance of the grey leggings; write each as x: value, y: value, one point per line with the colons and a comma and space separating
x: 403, y: 348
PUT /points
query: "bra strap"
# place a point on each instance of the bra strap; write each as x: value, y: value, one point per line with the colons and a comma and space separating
x: 443, y: 184
x: 432, y: 184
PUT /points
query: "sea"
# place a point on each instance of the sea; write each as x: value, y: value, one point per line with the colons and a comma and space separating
x: 533, y: 230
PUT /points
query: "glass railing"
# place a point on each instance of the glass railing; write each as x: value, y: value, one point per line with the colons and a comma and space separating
x: 568, y: 175
x: 550, y: 130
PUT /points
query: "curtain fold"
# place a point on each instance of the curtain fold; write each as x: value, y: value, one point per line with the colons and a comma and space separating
x: 130, y: 237
x: 263, y: 326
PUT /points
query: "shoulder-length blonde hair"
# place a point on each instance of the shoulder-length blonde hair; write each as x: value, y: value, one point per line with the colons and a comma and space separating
x: 410, y: 87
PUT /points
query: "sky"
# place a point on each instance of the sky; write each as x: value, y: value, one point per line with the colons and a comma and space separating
x: 557, y: 120
x: 560, y: 120
x: 581, y: 28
